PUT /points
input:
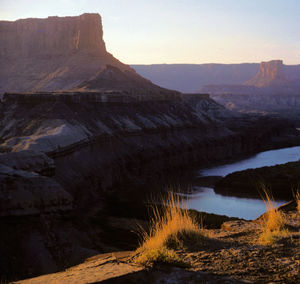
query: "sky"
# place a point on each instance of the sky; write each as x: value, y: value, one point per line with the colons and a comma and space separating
x: 183, y: 31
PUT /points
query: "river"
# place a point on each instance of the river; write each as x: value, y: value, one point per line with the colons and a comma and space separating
x: 206, y: 200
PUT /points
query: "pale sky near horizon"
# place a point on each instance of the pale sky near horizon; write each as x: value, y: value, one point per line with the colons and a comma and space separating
x: 183, y: 31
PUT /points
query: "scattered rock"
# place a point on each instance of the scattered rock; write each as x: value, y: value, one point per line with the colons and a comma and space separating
x: 239, y: 260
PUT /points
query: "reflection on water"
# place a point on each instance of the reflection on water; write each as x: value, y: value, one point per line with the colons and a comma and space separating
x: 267, y: 158
x: 206, y: 200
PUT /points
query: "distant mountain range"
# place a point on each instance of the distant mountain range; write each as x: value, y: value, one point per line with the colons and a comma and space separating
x: 216, y: 78
x: 275, y: 89
x: 266, y: 88
x: 272, y: 77
x: 188, y: 78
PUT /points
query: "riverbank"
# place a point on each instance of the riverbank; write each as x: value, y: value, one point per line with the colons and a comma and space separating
x: 227, y: 189
x: 281, y: 180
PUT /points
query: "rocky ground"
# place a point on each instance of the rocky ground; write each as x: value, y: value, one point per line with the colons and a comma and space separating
x: 240, y: 256
x: 231, y: 254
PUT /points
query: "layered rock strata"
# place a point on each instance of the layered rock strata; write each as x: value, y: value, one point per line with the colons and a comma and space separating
x: 62, y: 53
x: 69, y: 150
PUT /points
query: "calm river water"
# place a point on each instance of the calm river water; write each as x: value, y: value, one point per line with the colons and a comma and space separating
x: 205, y: 199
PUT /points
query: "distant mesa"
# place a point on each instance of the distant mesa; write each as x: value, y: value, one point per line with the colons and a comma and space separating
x: 273, y: 77
x: 274, y: 90
x: 190, y: 78
x: 62, y: 53
x: 270, y: 74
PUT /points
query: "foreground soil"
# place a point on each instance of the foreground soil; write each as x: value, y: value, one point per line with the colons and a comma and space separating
x: 231, y: 254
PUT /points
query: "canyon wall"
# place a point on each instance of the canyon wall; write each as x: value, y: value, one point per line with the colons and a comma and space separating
x: 54, y: 36
x: 62, y: 53
x: 66, y: 157
x: 99, y: 141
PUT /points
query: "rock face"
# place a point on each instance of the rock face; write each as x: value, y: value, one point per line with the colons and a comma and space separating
x: 54, y: 36
x: 27, y: 193
x: 270, y: 74
x: 60, y: 53
x: 112, y: 138
x: 26, y: 188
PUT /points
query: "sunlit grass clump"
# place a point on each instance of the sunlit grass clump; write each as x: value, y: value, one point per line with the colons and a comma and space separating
x: 273, y: 225
x: 297, y: 195
x: 171, y: 228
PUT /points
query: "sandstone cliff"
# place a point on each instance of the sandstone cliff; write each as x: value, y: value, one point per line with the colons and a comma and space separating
x: 60, y: 53
x: 52, y: 36
x: 270, y: 74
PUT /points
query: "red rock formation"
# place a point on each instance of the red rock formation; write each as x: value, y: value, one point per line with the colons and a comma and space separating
x: 60, y: 53
x: 269, y: 74
x: 52, y: 36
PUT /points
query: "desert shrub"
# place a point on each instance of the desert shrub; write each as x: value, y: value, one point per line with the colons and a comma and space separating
x: 273, y: 225
x: 171, y: 228
x: 297, y: 195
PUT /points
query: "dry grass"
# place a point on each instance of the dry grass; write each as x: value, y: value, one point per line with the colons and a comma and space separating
x: 171, y: 227
x: 297, y: 195
x: 273, y: 225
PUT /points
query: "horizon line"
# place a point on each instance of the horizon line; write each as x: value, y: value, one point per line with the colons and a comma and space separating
x: 213, y: 63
